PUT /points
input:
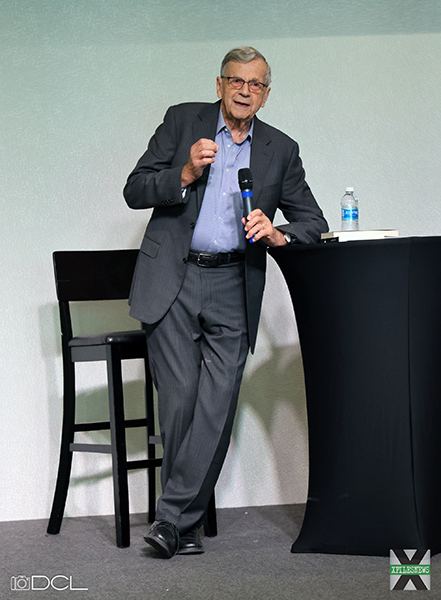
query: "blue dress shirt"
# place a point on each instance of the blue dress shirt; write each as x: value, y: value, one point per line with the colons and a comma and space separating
x: 219, y: 227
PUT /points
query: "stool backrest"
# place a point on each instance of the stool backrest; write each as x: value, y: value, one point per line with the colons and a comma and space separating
x: 94, y: 274
x: 85, y: 275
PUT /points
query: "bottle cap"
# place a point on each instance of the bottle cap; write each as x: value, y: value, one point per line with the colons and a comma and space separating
x: 349, y: 189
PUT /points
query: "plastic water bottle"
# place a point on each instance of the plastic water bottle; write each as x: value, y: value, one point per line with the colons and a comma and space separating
x: 349, y: 211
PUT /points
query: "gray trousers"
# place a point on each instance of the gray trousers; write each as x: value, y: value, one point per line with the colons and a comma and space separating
x: 197, y: 354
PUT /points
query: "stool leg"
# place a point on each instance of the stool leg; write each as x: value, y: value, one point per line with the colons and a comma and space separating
x: 118, y: 441
x: 151, y: 447
x: 67, y: 437
x: 209, y: 520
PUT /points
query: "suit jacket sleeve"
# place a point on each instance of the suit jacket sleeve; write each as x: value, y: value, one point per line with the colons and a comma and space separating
x: 298, y: 205
x: 156, y: 179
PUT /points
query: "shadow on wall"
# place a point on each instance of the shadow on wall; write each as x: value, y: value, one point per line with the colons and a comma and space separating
x: 268, y: 460
x: 275, y: 396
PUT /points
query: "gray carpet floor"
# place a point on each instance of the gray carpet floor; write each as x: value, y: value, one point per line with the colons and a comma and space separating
x: 250, y: 559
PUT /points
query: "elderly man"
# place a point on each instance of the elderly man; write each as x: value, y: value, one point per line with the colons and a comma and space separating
x: 200, y: 274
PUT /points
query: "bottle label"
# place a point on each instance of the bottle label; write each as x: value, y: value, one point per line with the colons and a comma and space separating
x: 349, y: 214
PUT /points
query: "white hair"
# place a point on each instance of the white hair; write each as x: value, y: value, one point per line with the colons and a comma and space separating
x: 245, y: 54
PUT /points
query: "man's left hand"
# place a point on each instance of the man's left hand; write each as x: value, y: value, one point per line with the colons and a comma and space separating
x: 259, y: 227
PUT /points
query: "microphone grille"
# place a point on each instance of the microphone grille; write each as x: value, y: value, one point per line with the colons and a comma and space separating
x: 245, y: 179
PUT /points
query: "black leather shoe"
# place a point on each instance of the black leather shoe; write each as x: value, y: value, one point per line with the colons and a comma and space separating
x: 190, y: 543
x: 163, y: 537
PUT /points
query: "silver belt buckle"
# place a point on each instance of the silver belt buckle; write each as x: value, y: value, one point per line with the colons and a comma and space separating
x: 207, y: 257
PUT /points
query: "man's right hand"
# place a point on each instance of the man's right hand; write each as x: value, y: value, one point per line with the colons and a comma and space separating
x: 202, y: 153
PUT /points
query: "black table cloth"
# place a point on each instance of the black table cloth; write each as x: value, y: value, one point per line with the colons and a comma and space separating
x: 369, y: 321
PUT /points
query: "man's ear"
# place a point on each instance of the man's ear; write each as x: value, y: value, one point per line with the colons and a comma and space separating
x: 219, y: 89
x: 265, y: 97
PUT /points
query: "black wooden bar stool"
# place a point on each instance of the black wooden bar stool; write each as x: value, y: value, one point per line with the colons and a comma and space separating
x: 95, y: 276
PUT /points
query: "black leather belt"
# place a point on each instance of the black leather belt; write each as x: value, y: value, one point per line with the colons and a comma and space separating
x: 206, y: 259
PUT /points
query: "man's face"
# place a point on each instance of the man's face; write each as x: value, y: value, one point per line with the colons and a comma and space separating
x: 242, y: 104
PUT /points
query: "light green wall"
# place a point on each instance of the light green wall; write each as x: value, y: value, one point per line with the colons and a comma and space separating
x: 83, y: 84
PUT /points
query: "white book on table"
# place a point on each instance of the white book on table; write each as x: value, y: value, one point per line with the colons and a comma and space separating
x: 359, y: 234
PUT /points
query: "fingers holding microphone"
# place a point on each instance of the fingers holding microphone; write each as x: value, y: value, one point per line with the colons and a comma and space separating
x: 259, y: 227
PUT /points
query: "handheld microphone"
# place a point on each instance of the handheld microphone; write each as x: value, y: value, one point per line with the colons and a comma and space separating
x: 246, y: 187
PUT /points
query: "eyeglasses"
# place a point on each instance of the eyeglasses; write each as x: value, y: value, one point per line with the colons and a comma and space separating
x: 237, y: 83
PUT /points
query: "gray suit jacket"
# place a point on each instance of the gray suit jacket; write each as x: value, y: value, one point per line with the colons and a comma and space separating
x: 279, y: 182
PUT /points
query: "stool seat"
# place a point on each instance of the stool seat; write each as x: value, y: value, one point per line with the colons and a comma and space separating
x: 102, y: 339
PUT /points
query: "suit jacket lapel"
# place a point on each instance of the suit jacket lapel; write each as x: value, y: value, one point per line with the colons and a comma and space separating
x: 205, y: 127
x: 261, y: 156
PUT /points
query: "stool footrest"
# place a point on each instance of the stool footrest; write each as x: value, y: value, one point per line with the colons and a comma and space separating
x: 144, y: 463
x: 98, y: 426
x: 101, y: 448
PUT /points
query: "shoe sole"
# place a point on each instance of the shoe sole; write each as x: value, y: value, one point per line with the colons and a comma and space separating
x: 191, y: 551
x: 162, y: 548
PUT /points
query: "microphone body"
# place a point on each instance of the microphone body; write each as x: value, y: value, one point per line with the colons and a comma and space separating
x: 246, y: 187
x: 246, y: 196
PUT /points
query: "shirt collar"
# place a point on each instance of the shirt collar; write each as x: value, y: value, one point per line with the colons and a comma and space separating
x: 222, y: 125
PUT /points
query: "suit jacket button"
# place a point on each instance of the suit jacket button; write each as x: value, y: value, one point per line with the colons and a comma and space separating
x: 184, y: 260
x: 193, y: 225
